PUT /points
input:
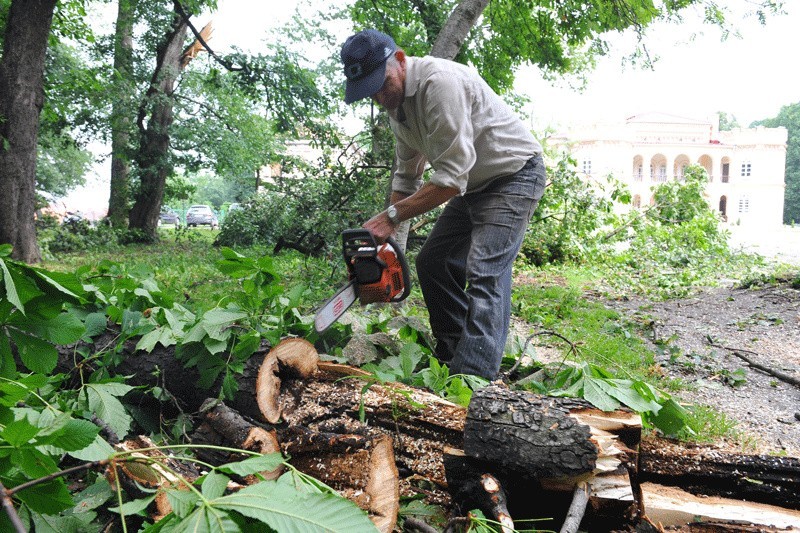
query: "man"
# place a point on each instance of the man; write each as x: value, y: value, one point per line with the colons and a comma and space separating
x: 487, y: 166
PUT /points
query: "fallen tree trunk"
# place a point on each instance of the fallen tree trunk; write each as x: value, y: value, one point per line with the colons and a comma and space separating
x: 759, y: 478
x: 332, y: 406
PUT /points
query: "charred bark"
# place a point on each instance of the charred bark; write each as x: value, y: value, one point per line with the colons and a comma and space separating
x: 21, y: 101
x: 758, y: 478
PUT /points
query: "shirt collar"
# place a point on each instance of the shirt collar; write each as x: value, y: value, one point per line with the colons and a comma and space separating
x: 412, y: 77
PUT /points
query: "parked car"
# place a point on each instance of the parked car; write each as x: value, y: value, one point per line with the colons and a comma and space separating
x: 201, y: 215
x: 169, y: 216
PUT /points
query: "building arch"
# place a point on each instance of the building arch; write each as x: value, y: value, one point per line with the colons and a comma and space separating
x: 658, y: 168
x: 723, y: 207
x: 679, y: 166
x: 706, y: 162
x: 725, y: 169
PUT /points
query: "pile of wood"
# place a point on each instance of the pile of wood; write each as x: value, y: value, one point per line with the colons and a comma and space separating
x: 513, y: 454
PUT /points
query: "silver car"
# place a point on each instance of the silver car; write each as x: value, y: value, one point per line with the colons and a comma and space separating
x: 201, y: 215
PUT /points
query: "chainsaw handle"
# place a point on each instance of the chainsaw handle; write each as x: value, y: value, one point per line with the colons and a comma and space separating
x: 401, y: 257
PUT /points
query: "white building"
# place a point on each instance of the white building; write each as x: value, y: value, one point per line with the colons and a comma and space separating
x: 746, y: 167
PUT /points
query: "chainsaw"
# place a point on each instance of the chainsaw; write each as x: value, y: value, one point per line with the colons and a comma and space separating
x: 377, y: 273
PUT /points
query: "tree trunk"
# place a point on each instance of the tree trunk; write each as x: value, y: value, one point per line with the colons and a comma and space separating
x: 153, y: 155
x: 456, y: 29
x: 21, y: 100
x: 121, y: 115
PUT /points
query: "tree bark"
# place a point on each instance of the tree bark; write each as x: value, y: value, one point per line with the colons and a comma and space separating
x: 759, y: 478
x: 545, y: 437
x: 21, y: 101
x: 153, y: 154
x: 456, y: 29
x: 121, y: 115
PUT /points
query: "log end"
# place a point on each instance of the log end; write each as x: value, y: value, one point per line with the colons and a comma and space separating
x: 268, y: 388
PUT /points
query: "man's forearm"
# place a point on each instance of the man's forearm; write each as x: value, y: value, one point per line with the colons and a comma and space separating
x: 426, y: 198
x: 409, y: 206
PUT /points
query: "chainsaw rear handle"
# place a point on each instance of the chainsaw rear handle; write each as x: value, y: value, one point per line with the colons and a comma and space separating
x: 360, y: 242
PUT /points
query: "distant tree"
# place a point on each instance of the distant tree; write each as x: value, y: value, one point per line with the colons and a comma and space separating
x: 21, y: 100
x: 789, y: 118
x: 122, y: 114
x: 727, y: 122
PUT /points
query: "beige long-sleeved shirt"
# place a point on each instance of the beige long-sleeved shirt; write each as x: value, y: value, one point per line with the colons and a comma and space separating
x: 458, y: 124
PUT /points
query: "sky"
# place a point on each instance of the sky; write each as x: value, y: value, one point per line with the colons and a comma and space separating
x: 750, y: 77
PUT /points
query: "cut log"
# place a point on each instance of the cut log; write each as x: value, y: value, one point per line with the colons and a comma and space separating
x: 224, y: 427
x: 421, y: 424
x: 155, y: 471
x: 297, y: 357
x: 674, y: 507
x: 759, y: 478
x: 562, y: 440
x: 360, y: 467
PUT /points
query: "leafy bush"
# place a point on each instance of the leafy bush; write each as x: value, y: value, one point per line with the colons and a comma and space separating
x: 569, y: 217
x: 308, y: 213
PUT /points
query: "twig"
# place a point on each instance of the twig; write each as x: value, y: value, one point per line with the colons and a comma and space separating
x: 412, y: 524
x: 580, y: 499
x: 54, y: 475
x: 8, y: 507
x: 572, y: 347
x: 771, y: 371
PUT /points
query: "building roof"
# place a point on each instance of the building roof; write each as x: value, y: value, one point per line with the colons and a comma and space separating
x: 664, y: 118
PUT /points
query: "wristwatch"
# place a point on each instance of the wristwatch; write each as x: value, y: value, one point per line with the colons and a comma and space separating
x: 391, y: 212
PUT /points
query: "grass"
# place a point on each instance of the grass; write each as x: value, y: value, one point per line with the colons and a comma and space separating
x: 183, y: 264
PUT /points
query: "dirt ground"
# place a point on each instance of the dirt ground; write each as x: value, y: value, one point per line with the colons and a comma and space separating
x: 706, y: 332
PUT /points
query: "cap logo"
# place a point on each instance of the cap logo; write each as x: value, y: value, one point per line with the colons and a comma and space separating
x: 353, y: 71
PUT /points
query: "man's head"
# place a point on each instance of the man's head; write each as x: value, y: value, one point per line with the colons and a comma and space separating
x: 364, y: 56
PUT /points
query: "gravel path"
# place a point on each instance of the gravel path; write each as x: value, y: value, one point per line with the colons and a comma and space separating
x: 764, y: 325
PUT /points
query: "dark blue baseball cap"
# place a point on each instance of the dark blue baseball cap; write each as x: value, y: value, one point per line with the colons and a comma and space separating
x: 364, y: 57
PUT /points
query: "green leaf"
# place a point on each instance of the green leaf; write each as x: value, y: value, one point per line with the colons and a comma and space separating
x: 8, y: 367
x: 95, y: 324
x: 50, y: 497
x: 19, y: 432
x: 64, y: 328
x: 133, y: 507
x: 214, y: 485
x: 160, y: 335
x: 283, y: 510
x: 66, y: 283
x: 183, y: 502
x: 11, y: 289
x: 625, y: 391
x: 246, y: 345
x: 253, y: 465
x: 33, y: 463
x: 596, y: 392
x: 208, y: 519
x: 671, y: 418
x: 38, y: 355
x: 76, y: 435
x: 98, y: 450
x: 103, y: 402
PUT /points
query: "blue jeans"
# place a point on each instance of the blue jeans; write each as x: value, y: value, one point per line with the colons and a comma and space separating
x: 464, y: 269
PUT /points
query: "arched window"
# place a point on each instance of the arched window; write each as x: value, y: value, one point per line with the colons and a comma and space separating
x: 638, y: 168
x: 723, y: 207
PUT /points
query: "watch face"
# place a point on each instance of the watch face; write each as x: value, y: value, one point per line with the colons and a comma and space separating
x: 392, y: 212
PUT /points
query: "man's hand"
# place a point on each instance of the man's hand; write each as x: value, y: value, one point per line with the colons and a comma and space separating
x: 422, y: 201
x: 381, y: 227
